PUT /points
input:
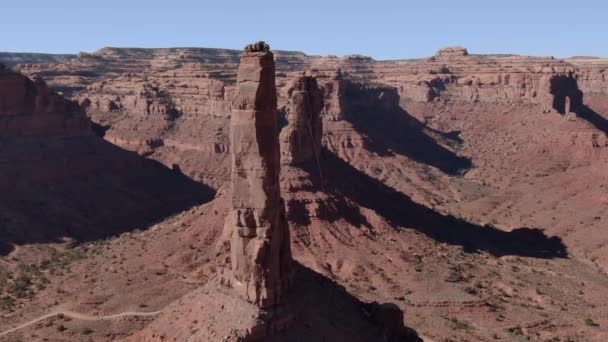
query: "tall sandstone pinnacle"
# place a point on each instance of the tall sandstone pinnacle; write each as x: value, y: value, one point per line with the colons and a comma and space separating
x: 260, y: 254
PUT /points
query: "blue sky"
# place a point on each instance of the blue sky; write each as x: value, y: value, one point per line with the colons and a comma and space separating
x: 383, y: 29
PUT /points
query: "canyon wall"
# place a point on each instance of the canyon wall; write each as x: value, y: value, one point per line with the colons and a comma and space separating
x: 28, y: 107
x: 452, y: 74
x: 61, y: 181
x: 174, y: 105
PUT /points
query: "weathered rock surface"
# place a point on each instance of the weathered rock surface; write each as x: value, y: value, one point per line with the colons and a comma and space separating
x: 393, y: 160
x: 260, y: 244
x: 28, y: 107
x: 60, y: 181
x: 199, y: 84
x: 180, y: 119
x: 452, y: 51
x: 301, y: 138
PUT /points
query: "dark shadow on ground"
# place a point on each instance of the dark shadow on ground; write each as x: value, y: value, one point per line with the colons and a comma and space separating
x: 331, y: 209
x: 401, y: 211
x: 594, y: 118
x: 331, y: 206
x: 376, y: 113
x: 325, y: 311
x: 84, y: 188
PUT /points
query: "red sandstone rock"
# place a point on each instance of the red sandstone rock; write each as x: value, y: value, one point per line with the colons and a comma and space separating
x: 200, y: 85
x: 28, y: 108
x: 333, y: 95
x: 452, y: 51
x: 301, y: 138
x: 260, y: 243
x: 494, y: 103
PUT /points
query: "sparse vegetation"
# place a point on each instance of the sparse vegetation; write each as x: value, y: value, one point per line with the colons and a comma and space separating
x: 456, y: 324
x: 86, y: 331
x: 30, y: 278
x: 590, y: 322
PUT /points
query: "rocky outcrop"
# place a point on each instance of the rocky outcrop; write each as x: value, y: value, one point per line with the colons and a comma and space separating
x: 301, y: 138
x: 452, y: 51
x: 592, y: 75
x: 333, y: 87
x: 140, y: 113
x: 261, y: 262
x: 28, y: 107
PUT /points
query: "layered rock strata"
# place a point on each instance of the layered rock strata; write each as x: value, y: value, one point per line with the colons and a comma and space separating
x: 28, y: 107
x: 198, y: 86
x: 260, y: 244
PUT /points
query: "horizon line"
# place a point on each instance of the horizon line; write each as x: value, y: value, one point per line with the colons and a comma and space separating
x: 306, y: 54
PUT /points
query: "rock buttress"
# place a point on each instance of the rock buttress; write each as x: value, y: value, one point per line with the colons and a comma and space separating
x: 301, y: 138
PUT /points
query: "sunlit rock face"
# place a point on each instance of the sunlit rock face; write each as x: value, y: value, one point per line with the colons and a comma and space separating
x: 260, y: 246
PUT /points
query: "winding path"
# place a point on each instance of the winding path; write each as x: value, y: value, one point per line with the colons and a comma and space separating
x: 75, y: 315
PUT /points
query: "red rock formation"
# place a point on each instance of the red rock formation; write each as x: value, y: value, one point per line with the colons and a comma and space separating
x: 452, y: 51
x: 28, y: 108
x: 301, y: 138
x: 260, y: 244
x: 90, y: 188
x: 592, y: 75
x: 200, y: 85
x: 333, y: 94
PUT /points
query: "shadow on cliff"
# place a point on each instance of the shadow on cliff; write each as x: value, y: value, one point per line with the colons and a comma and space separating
x: 376, y: 113
x: 400, y: 210
x: 596, y: 119
x: 326, y: 311
x: 85, y: 188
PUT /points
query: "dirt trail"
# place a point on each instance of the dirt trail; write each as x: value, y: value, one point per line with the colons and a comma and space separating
x: 75, y: 315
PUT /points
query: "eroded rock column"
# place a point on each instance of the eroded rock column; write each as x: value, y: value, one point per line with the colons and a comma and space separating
x: 301, y: 138
x: 260, y: 244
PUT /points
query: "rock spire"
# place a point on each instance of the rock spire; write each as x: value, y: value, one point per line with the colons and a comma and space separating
x: 261, y: 262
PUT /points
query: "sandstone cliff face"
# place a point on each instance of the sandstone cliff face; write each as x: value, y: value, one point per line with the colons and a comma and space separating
x: 301, y: 138
x: 592, y: 75
x: 199, y: 84
x: 28, y: 107
x: 178, y: 118
x: 260, y: 244
x: 140, y: 113
x: 453, y: 74
x: 60, y: 181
